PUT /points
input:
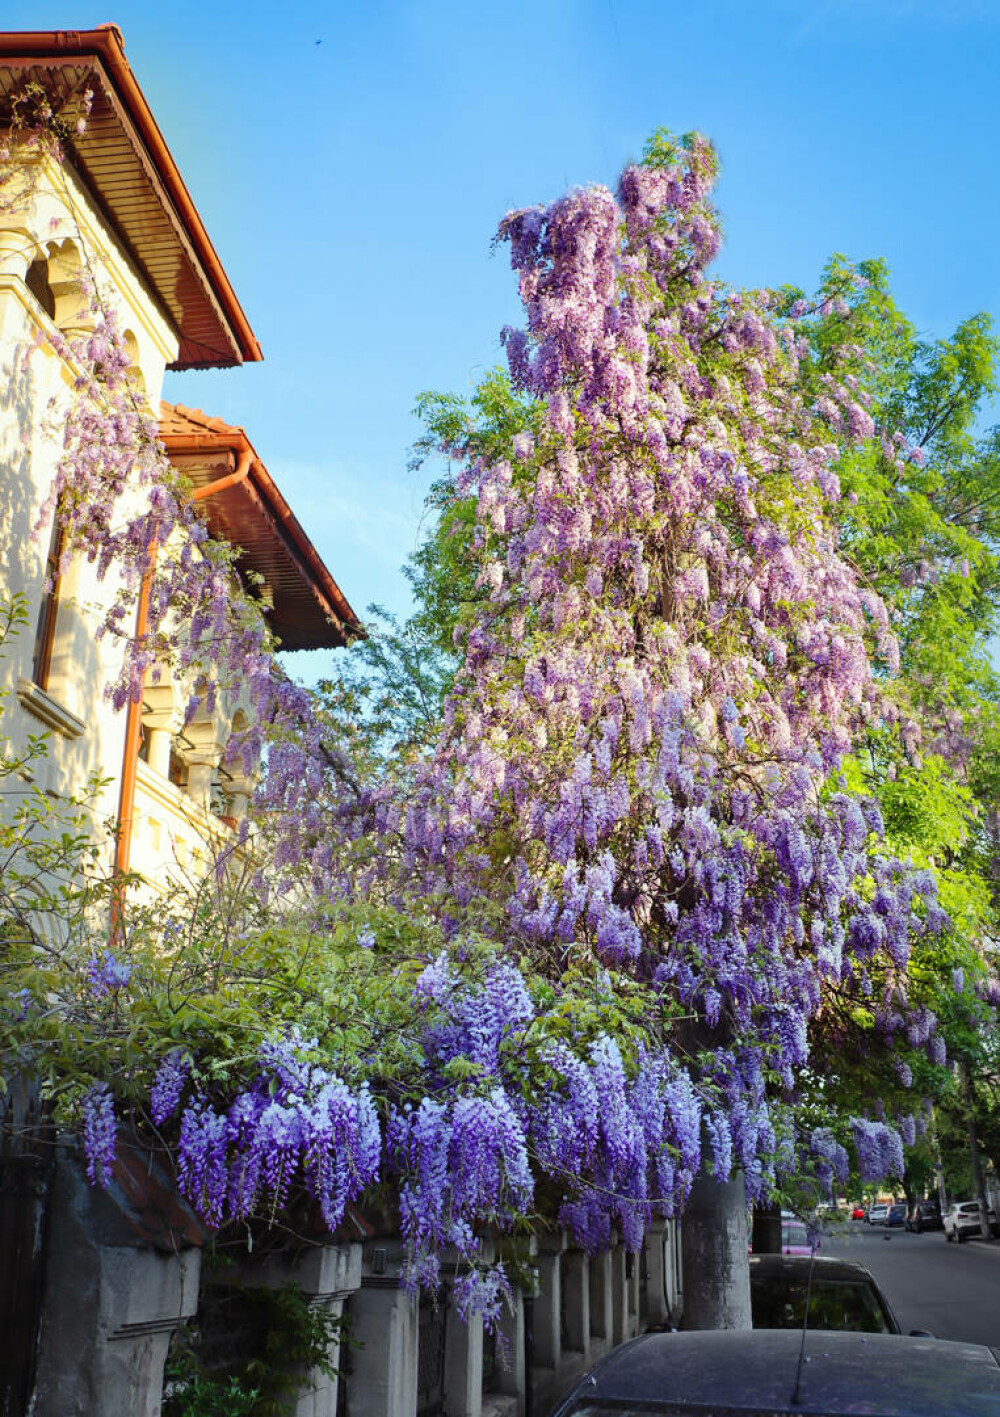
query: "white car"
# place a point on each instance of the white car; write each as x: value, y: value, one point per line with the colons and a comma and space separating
x: 877, y: 1214
x: 962, y: 1220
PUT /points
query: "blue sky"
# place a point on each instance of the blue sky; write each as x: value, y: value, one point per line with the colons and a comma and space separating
x: 351, y: 163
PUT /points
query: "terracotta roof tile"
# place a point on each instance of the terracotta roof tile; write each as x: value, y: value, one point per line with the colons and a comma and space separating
x: 176, y: 420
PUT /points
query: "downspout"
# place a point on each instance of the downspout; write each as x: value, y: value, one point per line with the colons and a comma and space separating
x: 130, y: 761
x: 133, y: 715
x: 231, y: 479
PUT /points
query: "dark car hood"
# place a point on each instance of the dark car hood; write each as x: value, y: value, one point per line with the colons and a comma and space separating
x: 754, y: 1372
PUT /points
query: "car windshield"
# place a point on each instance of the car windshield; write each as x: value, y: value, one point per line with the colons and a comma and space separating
x: 834, y: 1303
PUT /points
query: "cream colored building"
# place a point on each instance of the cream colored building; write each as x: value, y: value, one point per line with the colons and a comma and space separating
x: 118, y: 203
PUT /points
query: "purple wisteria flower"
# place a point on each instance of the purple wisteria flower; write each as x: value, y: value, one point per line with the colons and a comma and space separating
x: 109, y: 974
x: 168, y: 1085
x: 297, y: 1122
x: 99, y: 1133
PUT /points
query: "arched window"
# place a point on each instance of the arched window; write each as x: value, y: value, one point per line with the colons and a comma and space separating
x: 37, y: 280
x: 48, y: 613
x: 135, y: 370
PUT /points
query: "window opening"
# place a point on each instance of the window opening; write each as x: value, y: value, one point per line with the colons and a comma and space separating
x: 37, y: 280
x: 49, y: 611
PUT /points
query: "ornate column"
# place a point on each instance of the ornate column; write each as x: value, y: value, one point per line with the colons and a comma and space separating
x: 162, y: 718
x: 122, y: 1269
x: 385, y: 1326
x: 202, y: 753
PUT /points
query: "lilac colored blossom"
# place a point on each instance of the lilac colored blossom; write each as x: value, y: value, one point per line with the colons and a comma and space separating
x: 168, y: 1085
x: 109, y: 974
x: 296, y: 1123
x: 99, y: 1133
x: 437, y: 981
x: 834, y: 1163
x: 486, y: 1292
x: 907, y: 1129
x: 457, y: 1165
x: 20, y: 1004
x: 879, y: 1150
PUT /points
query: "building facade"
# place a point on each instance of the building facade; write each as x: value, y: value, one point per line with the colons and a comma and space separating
x: 116, y: 208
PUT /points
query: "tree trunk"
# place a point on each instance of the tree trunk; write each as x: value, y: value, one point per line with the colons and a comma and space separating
x: 977, y: 1170
x: 977, y: 1179
x: 766, y: 1234
x: 714, y: 1254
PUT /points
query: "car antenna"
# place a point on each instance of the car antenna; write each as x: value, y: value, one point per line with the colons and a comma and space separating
x: 796, y: 1398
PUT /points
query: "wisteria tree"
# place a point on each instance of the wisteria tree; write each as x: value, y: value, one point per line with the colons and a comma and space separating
x: 638, y: 767
x: 566, y: 965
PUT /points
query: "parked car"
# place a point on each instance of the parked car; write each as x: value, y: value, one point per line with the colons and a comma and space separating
x: 858, y: 1213
x: 757, y: 1372
x: 896, y: 1214
x: 795, y: 1238
x: 924, y: 1215
x: 843, y: 1295
x: 877, y: 1214
x: 961, y: 1220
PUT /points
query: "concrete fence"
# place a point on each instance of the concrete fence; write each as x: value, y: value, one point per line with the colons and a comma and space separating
x: 123, y: 1272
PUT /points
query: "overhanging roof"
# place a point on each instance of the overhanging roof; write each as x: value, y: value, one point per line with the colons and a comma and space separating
x: 310, y: 610
x: 124, y: 161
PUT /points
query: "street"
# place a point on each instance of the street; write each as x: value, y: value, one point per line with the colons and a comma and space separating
x: 952, y: 1290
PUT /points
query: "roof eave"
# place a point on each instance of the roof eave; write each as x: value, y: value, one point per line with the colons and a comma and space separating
x: 106, y: 45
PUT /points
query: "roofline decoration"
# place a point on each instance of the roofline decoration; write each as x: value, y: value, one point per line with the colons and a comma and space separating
x: 154, y: 178
x: 208, y: 437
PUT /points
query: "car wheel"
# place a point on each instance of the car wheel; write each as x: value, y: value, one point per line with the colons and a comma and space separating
x: 959, y: 1236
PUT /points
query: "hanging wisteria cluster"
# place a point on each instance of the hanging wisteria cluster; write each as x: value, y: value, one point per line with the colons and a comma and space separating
x: 297, y: 1122
x: 525, y: 1111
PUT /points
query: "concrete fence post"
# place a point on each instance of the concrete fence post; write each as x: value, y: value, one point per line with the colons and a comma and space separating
x: 122, y: 1272
x: 619, y: 1296
x: 601, y: 1298
x: 327, y: 1275
x: 576, y: 1285
x: 385, y: 1326
x: 656, y: 1299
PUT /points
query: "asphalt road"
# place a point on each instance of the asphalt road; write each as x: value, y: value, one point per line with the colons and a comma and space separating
x: 952, y: 1290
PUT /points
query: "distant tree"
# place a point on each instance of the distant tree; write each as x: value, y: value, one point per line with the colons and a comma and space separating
x: 919, y: 519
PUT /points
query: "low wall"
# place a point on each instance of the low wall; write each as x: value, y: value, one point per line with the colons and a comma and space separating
x: 123, y: 1270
